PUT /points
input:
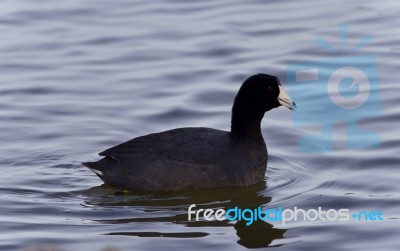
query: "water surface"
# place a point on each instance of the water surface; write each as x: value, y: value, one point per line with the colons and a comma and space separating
x: 78, y: 77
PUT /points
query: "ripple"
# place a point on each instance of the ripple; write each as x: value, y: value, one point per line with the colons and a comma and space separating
x: 158, y: 234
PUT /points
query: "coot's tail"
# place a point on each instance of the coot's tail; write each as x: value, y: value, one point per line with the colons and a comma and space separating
x: 106, y: 169
x: 95, y: 167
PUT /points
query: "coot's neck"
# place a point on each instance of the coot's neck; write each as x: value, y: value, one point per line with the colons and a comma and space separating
x: 246, y: 124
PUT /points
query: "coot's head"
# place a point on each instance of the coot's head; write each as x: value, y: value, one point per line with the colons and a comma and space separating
x: 261, y: 93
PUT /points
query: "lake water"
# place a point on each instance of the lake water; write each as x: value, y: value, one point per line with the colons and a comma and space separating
x: 78, y: 77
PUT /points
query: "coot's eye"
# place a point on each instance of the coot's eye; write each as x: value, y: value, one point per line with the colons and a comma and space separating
x: 269, y: 88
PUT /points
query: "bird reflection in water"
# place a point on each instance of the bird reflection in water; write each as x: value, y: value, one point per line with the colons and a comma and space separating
x: 171, y: 207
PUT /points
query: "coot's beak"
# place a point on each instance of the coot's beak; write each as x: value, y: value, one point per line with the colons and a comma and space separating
x: 285, y: 100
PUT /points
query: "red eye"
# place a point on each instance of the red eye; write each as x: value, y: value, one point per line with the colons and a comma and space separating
x: 269, y: 88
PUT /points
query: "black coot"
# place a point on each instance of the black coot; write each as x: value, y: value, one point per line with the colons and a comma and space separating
x: 196, y: 158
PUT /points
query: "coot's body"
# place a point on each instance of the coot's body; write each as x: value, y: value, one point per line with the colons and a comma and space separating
x: 196, y: 158
x: 206, y: 158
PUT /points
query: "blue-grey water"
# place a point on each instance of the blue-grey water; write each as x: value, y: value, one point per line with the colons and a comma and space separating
x: 78, y: 77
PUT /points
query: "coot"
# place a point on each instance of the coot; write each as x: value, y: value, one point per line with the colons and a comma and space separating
x: 197, y: 158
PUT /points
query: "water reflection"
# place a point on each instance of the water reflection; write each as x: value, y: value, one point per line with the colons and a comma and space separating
x: 171, y: 207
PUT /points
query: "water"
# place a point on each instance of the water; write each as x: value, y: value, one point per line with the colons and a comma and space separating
x: 78, y: 77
